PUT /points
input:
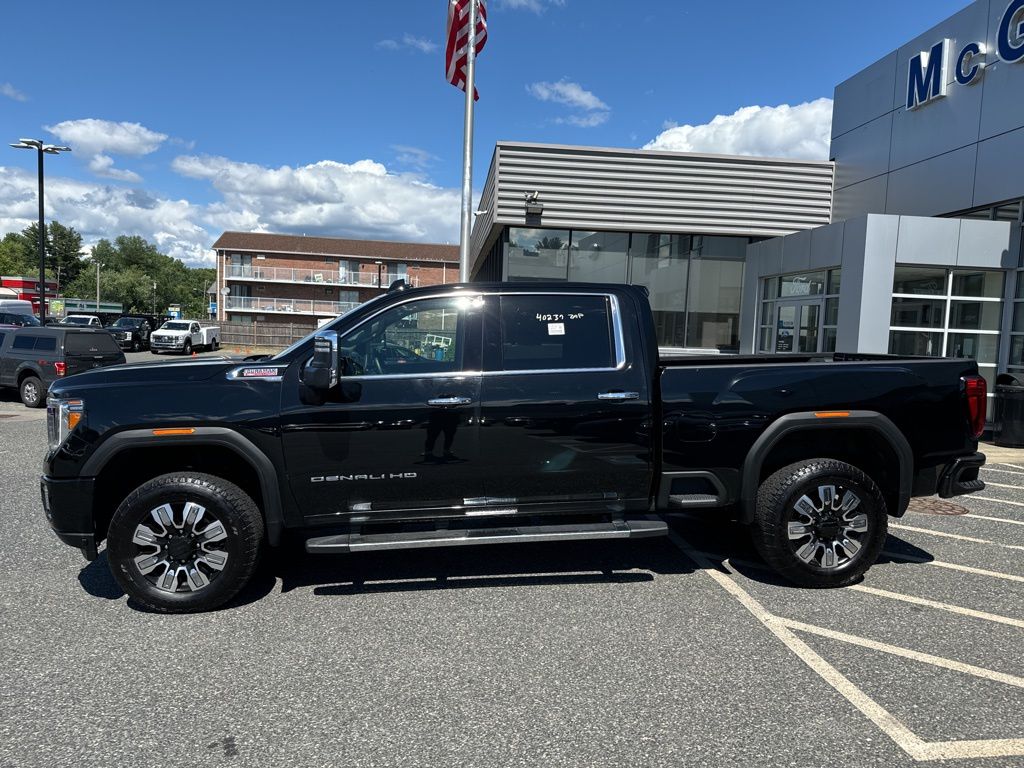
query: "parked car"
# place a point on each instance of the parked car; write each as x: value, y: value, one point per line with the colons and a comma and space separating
x: 84, y: 321
x: 550, y: 417
x: 31, y: 358
x: 17, y: 313
x: 131, y: 332
x: 15, y: 320
x: 184, y: 336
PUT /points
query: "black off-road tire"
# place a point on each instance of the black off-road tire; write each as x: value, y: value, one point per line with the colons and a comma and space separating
x: 32, y: 392
x: 136, y: 346
x: 227, y: 502
x: 215, y: 344
x: 775, y: 500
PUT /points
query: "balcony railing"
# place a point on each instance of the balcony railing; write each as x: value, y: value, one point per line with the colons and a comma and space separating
x: 343, y: 278
x: 287, y: 306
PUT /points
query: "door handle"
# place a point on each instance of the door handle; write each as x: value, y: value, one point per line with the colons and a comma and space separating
x: 439, y: 402
x: 617, y: 395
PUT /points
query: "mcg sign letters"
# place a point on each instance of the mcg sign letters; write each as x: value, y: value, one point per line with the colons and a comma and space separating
x: 927, y: 73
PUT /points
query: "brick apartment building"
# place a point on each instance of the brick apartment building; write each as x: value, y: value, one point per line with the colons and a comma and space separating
x: 301, y: 280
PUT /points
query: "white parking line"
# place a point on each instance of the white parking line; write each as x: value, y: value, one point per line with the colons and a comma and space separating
x: 1004, y: 471
x: 995, y: 519
x: 1004, y: 464
x: 998, y: 501
x: 953, y: 566
x: 904, y: 738
x: 1002, y: 485
x: 957, y: 536
x: 993, y: 617
x: 906, y: 653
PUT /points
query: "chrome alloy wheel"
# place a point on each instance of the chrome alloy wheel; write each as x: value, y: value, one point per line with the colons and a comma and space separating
x: 180, y: 551
x: 827, y: 534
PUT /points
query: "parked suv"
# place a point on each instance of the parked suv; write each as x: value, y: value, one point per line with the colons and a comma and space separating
x: 32, y: 358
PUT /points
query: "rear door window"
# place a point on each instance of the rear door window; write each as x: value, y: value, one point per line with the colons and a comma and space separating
x: 46, y: 344
x: 556, y: 332
x: 90, y: 344
x: 24, y: 343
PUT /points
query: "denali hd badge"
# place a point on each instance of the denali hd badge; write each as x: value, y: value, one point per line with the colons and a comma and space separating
x: 371, y: 476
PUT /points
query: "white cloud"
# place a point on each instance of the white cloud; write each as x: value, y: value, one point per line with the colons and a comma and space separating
x: 409, y: 42
x: 92, y: 136
x: 93, y: 139
x: 537, y: 6
x: 102, y: 165
x: 103, y: 211
x: 414, y: 156
x: 360, y: 199
x: 565, y: 92
x: 801, y: 131
x: 585, y: 121
x: 594, y: 111
x: 8, y: 90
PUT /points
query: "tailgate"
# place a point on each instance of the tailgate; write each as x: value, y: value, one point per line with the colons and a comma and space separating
x: 85, y: 350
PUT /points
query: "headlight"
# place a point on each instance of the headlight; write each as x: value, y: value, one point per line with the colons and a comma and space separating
x: 62, y: 416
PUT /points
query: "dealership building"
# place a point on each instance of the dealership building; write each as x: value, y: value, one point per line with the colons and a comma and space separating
x: 908, y: 240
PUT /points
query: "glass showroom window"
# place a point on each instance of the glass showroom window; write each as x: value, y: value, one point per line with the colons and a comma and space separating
x: 538, y: 254
x: 662, y: 264
x: 713, y: 293
x: 598, y: 257
x: 799, y: 312
x: 948, y: 313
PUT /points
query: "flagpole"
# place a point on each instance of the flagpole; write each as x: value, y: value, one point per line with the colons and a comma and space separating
x: 466, y: 227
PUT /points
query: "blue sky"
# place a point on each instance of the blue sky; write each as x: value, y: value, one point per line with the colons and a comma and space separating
x: 335, y: 118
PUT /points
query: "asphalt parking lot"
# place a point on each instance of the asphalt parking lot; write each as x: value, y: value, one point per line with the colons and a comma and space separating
x: 682, y: 651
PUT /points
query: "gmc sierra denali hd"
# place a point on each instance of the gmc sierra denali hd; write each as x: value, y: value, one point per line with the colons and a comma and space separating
x: 495, y: 413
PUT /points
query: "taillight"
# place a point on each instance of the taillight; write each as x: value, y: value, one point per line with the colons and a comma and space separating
x: 975, y: 391
x: 60, y: 368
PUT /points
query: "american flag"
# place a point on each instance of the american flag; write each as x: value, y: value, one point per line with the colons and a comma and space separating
x: 458, y: 40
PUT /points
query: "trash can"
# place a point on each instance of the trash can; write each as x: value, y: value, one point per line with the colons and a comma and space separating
x: 1008, y: 424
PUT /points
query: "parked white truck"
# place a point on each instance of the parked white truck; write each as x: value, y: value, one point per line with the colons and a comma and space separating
x: 184, y: 336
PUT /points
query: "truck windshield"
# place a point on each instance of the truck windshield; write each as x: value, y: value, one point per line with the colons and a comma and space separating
x: 175, y: 327
x: 127, y: 322
x: 76, y: 320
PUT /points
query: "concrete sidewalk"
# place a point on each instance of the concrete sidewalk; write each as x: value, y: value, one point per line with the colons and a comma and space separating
x: 1004, y: 455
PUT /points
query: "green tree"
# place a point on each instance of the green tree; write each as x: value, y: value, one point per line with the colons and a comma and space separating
x: 129, y: 267
x: 63, y: 252
x: 16, y: 255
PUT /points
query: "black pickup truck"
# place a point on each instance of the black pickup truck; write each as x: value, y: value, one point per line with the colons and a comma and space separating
x: 495, y: 413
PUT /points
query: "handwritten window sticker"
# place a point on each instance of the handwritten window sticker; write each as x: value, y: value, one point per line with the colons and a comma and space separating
x: 556, y: 329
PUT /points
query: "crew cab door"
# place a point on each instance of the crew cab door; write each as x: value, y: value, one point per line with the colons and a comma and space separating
x: 398, y: 434
x: 565, y: 405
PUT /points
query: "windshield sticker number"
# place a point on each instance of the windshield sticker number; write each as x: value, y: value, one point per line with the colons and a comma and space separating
x: 556, y: 329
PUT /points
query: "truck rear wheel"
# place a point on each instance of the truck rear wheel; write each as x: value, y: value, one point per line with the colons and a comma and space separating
x: 32, y: 391
x: 182, y: 543
x: 820, y: 523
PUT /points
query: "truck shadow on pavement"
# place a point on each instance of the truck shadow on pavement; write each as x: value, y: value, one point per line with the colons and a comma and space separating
x: 511, y: 565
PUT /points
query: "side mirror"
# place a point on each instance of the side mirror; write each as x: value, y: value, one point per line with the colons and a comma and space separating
x: 321, y: 372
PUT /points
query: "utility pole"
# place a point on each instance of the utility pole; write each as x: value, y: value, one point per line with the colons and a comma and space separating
x: 97, y: 286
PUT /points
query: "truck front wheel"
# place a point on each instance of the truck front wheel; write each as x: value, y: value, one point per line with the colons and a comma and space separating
x: 182, y: 543
x: 187, y: 348
x: 820, y: 523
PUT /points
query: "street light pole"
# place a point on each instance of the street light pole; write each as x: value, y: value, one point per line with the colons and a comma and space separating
x: 380, y: 265
x: 41, y: 149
